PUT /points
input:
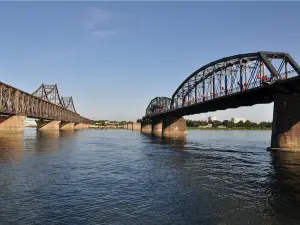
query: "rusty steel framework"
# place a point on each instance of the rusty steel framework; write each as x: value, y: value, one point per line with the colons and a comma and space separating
x: 157, y: 105
x: 44, y: 103
x: 232, y: 75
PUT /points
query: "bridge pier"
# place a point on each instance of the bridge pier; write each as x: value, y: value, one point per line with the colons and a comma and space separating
x: 286, y: 123
x: 78, y: 126
x: 146, y: 127
x: 12, y: 123
x: 66, y: 126
x: 136, y: 126
x: 48, y: 124
x: 157, y: 127
x: 129, y: 126
x: 174, y: 127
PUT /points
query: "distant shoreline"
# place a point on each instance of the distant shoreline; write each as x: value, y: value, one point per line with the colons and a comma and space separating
x: 234, y: 128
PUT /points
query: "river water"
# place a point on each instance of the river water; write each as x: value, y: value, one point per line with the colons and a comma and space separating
x: 124, y: 177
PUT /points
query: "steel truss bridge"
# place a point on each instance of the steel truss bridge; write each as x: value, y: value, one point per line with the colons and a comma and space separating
x: 44, y: 103
x: 231, y: 82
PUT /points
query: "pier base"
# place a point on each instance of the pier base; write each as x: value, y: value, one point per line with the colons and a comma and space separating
x: 48, y: 124
x: 174, y: 127
x: 286, y: 123
x: 78, y: 126
x: 66, y: 126
x: 12, y: 123
x: 146, y: 128
x: 136, y: 126
x: 129, y: 126
x: 157, y: 128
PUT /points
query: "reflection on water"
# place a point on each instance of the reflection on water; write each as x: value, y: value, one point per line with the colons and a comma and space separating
x: 11, y: 146
x: 122, y: 177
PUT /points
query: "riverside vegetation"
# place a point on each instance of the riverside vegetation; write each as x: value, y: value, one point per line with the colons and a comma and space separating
x: 247, y: 125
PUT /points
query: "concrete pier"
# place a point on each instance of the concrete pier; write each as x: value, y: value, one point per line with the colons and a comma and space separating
x: 129, y: 126
x: 12, y: 123
x: 286, y: 123
x: 157, y: 127
x: 174, y: 127
x: 146, y: 128
x: 78, y: 126
x: 136, y: 126
x: 48, y: 124
x: 66, y: 126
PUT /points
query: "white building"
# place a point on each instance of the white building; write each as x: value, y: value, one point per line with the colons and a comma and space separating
x: 238, y: 119
x: 211, y: 118
x: 30, y: 122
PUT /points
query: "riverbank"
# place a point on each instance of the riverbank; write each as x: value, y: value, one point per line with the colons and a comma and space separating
x: 234, y: 128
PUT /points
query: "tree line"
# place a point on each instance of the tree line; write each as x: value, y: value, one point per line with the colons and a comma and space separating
x: 229, y: 124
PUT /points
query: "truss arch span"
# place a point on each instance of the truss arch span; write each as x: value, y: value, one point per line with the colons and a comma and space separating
x: 158, y: 105
x: 234, y: 74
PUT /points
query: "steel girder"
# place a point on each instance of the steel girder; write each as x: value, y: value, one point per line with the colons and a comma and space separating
x: 158, y: 105
x: 234, y: 74
x: 38, y: 105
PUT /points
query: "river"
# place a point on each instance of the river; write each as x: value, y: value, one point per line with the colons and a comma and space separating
x: 124, y: 177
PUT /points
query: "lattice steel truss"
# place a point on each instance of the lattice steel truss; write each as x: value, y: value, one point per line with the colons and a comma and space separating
x: 157, y: 105
x: 68, y: 103
x: 43, y: 104
x: 234, y: 74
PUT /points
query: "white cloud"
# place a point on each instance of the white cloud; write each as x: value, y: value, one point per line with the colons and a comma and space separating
x: 97, y: 22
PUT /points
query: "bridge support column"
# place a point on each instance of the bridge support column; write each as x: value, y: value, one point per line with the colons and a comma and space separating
x: 12, y: 123
x: 157, y: 127
x: 129, y: 126
x: 286, y: 123
x: 78, y: 126
x: 66, y: 126
x: 48, y: 124
x: 136, y: 126
x: 146, y: 128
x: 174, y: 127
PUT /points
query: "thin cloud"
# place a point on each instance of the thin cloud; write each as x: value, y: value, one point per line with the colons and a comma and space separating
x: 103, y: 33
x: 98, y: 22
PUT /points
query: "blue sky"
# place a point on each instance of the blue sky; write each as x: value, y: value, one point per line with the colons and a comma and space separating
x: 114, y: 57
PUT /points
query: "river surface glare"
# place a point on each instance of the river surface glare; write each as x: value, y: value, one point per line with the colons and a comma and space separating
x: 124, y: 177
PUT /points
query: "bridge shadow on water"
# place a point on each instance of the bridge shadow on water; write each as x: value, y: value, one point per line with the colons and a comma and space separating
x: 15, y: 146
x: 284, y: 198
x: 173, y: 143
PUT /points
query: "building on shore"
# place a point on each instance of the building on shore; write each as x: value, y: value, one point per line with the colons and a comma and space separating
x: 211, y: 119
x: 30, y: 122
x: 237, y: 119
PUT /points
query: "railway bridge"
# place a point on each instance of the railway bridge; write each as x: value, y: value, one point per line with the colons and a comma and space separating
x: 232, y: 82
x: 54, y: 112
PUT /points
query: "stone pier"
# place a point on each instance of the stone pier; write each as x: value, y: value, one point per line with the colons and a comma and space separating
x: 174, y: 127
x: 157, y: 127
x: 66, y: 126
x: 129, y: 126
x: 78, y: 126
x: 48, y: 124
x: 136, y: 126
x: 146, y: 128
x: 286, y: 123
x: 12, y: 123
